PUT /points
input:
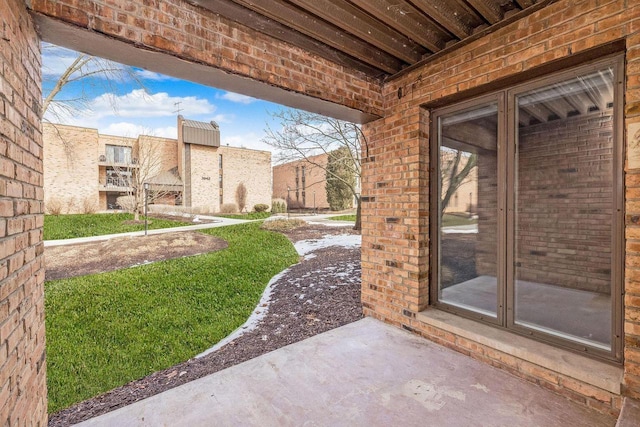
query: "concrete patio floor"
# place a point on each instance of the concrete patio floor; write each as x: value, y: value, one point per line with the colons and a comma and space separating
x: 363, y: 374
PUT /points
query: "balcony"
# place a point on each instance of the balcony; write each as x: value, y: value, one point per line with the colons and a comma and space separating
x: 104, y: 160
x: 115, y: 184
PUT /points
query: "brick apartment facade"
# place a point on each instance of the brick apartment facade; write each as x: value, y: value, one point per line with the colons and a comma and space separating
x: 85, y: 171
x: 398, y: 207
x: 302, y: 183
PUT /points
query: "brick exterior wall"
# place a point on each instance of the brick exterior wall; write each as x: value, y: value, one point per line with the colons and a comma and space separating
x: 204, y: 178
x: 23, y: 389
x: 166, y: 148
x: 71, y: 176
x: 284, y: 176
x: 395, y: 263
x: 250, y: 167
x: 554, y: 176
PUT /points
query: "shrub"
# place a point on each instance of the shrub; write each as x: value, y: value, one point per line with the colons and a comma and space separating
x: 295, y: 204
x: 261, y: 207
x: 88, y: 207
x: 241, y: 196
x: 228, y: 208
x: 278, y: 206
x: 71, y: 204
x: 54, y: 206
x: 127, y: 203
x: 282, y: 224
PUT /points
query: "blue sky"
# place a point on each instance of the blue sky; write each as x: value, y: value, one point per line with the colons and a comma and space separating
x: 242, y: 119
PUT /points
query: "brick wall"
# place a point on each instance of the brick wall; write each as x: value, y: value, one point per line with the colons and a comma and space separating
x: 395, y: 213
x: 23, y: 389
x: 70, y: 168
x: 166, y: 148
x: 204, y: 178
x: 284, y: 176
x: 250, y: 167
x: 565, y: 196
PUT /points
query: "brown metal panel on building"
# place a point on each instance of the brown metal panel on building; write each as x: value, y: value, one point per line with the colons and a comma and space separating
x: 201, y: 133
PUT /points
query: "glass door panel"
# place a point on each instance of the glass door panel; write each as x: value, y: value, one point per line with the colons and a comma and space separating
x: 468, y: 206
x: 564, y: 209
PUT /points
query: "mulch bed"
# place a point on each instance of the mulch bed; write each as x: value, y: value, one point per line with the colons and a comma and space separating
x: 98, y: 257
x: 320, y: 293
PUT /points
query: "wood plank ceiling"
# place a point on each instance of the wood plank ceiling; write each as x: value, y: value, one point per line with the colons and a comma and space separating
x: 376, y: 37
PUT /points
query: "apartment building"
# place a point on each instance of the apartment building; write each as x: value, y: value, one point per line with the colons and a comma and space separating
x: 302, y: 183
x: 86, y: 171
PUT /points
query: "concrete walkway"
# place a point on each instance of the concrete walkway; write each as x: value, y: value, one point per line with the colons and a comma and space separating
x: 363, y: 374
x: 217, y: 222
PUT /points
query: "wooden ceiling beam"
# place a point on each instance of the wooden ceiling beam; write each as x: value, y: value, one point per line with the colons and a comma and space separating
x: 407, y: 20
x: 305, y: 32
x: 539, y: 112
x: 525, y: 3
x: 351, y: 19
x: 489, y: 10
x: 442, y: 12
x: 376, y: 67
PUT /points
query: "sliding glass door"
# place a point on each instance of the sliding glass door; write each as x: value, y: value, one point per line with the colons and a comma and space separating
x: 468, y: 143
x: 565, y: 208
x: 528, y: 218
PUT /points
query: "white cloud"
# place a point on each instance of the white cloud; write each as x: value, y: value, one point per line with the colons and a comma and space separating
x: 137, y: 103
x: 236, y: 97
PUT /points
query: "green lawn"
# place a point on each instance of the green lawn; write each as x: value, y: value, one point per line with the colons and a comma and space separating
x: 85, y: 225
x: 343, y: 218
x: 107, y: 329
x: 449, y: 220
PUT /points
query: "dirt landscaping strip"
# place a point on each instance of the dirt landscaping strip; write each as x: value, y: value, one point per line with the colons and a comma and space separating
x: 123, y: 252
x: 320, y: 293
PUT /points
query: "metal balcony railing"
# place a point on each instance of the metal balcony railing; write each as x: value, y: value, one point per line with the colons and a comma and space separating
x: 117, y: 182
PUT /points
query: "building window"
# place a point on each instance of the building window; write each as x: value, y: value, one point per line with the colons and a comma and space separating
x: 538, y: 251
x: 220, y: 161
x: 118, y: 154
x: 220, y: 184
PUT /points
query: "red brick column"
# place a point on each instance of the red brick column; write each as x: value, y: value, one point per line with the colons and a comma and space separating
x: 395, y: 217
x: 22, y: 355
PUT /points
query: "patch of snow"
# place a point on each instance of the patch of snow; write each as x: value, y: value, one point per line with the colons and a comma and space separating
x: 344, y: 240
x: 331, y: 223
x: 304, y: 248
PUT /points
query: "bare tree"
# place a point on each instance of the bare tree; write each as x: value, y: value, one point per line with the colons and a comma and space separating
x: 88, y: 75
x: 303, y: 135
x: 143, y: 166
x: 455, y: 168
